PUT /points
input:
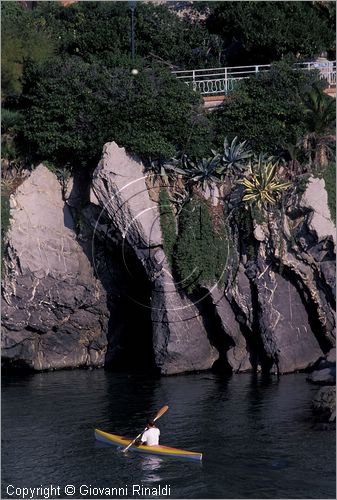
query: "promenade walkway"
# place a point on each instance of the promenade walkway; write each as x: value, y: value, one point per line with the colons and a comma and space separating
x: 215, y: 84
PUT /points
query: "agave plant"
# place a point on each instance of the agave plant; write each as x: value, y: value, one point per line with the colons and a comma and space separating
x: 235, y: 157
x: 179, y: 199
x: 262, y: 187
x: 162, y: 171
x: 202, y: 172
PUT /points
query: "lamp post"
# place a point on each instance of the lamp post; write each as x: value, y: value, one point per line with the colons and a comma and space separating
x: 132, y: 5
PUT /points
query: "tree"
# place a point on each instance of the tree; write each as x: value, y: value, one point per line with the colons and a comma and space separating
x: 23, y: 41
x: 320, y: 117
x: 72, y: 108
x: 262, y: 32
x: 102, y: 31
x: 266, y: 110
x: 182, y: 42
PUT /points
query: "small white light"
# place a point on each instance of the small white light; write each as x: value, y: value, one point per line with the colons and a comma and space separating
x: 134, y: 71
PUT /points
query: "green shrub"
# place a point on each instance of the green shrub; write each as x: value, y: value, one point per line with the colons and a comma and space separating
x: 202, y: 247
x: 72, y: 108
x: 167, y: 225
x: 267, y: 110
x: 266, y: 31
x: 10, y: 120
x: 23, y: 41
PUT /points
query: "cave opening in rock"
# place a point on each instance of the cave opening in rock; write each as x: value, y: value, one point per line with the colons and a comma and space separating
x: 215, y: 332
x: 130, y: 347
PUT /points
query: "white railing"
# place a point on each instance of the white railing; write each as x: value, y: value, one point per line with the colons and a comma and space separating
x: 213, y: 81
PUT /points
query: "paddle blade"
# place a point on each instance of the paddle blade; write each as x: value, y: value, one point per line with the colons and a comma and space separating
x: 161, y: 412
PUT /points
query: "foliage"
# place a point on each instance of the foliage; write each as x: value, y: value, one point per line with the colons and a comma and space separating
x: 10, y: 120
x: 329, y: 176
x: 10, y: 151
x: 182, y: 41
x: 235, y: 156
x: 72, y: 108
x: 167, y: 225
x: 243, y: 219
x: 320, y: 110
x: 23, y: 41
x: 179, y: 198
x: 266, y: 111
x: 161, y: 170
x: 101, y: 31
x: 263, y: 32
x: 263, y: 187
x: 320, y: 117
x: 202, y: 247
x: 202, y: 171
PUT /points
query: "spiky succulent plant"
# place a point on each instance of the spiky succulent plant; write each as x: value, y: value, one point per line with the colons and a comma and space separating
x: 202, y: 171
x: 262, y: 187
x: 235, y: 158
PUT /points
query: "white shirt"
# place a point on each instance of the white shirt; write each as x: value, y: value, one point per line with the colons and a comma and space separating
x: 151, y: 436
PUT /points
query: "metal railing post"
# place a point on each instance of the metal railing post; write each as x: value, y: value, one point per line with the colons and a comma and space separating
x: 194, y: 85
x: 226, y: 82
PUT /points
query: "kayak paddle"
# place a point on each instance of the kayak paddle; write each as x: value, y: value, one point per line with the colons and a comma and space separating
x: 159, y: 414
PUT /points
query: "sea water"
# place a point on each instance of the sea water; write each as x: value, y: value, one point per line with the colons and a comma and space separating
x: 256, y: 435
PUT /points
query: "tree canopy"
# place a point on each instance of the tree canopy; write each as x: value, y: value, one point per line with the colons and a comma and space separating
x: 72, y: 108
x: 262, y: 32
x: 267, y: 110
x: 23, y: 40
x: 66, y: 72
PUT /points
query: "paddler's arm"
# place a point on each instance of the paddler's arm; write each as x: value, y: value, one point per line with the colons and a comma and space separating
x: 139, y: 441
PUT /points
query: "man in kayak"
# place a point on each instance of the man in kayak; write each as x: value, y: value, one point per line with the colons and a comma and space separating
x: 150, y: 437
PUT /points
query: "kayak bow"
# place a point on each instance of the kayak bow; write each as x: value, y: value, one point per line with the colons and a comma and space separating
x: 120, y: 441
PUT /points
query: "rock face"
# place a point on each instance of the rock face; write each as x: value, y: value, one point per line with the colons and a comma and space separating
x: 275, y: 311
x: 315, y: 200
x: 238, y: 354
x: 54, y: 311
x: 180, y: 340
x: 324, y: 404
x: 325, y: 371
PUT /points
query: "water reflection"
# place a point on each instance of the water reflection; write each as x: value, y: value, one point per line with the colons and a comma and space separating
x: 150, y: 465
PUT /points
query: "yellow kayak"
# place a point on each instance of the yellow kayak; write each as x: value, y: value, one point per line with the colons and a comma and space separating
x: 122, y: 442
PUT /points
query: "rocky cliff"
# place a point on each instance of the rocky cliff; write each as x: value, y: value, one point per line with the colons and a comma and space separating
x: 276, y: 310
x: 54, y: 312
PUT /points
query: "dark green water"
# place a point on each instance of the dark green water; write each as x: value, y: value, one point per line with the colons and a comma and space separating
x: 256, y: 435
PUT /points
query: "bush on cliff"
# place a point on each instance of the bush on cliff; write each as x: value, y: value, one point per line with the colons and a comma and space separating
x: 72, y: 108
x: 202, y: 246
x: 267, y: 110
